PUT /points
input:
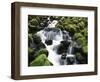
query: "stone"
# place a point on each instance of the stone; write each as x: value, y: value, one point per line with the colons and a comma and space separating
x: 48, y: 42
x: 70, y: 60
x: 36, y: 39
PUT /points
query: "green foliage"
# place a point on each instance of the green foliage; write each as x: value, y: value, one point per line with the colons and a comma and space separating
x: 41, y: 60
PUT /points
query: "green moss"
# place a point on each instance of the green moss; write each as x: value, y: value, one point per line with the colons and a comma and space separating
x: 41, y: 60
x: 31, y: 50
x: 85, y: 49
x: 42, y: 51
x: 81, y: 41
x: 77, y: 35
x: 34, y: 22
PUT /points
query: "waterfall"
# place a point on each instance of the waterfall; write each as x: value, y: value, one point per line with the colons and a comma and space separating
x: 55, y: 35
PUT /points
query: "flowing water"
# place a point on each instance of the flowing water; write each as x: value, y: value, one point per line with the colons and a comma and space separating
x: 56, y: 36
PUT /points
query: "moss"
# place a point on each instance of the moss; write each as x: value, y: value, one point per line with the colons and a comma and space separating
x: 42, y: 51
x: 82, y: 41
x: 34, y: 22
x: 41, y: 60
x: 47, y: 63
x: 85, y: 49
x: 31, y: 50
x: 77, y: 35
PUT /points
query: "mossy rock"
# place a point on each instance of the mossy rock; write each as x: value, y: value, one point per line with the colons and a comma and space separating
x: 41, y: 60
x: 77, y: 35
x: 81, y: 41
x: 71, y: 28
x: 34, y: 22
x: 80, y: 58
x: 31, y: 50
x: 60, y: 26
x: 36, y: 39
x: 85, y: 49
x: 42, y: 51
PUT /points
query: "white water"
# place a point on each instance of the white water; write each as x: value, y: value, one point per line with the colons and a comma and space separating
x: 56, y: 37
x: 53, y: 56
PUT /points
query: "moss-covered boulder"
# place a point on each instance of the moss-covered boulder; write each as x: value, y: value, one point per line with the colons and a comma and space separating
x: 81, y: 41
x: 31, y: 52
x: 42, y: 51
x: 41, y: 60
x: 77, y: 35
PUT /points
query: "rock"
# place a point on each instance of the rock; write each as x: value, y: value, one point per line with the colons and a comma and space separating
x: 63, y: 56
x: 63, y: 47
x: 36, y: 39
x: 65, y: 43
x: 41, y: 60
x: 63, y: 59
x: 31, y: 52
x: 40, y: 46
x: 29, y: 39
x: 77, y: 49
x: 48, y: 42
x: 80, y: 58
x: 70, y: 60
x: 42, y: 51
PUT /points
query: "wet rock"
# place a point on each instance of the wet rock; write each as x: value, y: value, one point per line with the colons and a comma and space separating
x: 66, y: 43
x: 48, y: 42
x: 77, y: 49
x: 63, y: 47
x: 40, y: 46
x: 80, y: 58
x: 63, y: 56
x: 63, y: 59
x: 70, y: 60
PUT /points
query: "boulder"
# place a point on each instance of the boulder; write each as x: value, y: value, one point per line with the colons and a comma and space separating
x: 40, y: 46
x: 70, y: 60
x: 36, y: 39
x: 63, y: 47
x: 42, y: 51
x: 48, y: 42
x: 80, y: 58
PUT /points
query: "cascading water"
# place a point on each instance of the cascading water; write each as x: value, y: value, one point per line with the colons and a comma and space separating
x: 52, y: 37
